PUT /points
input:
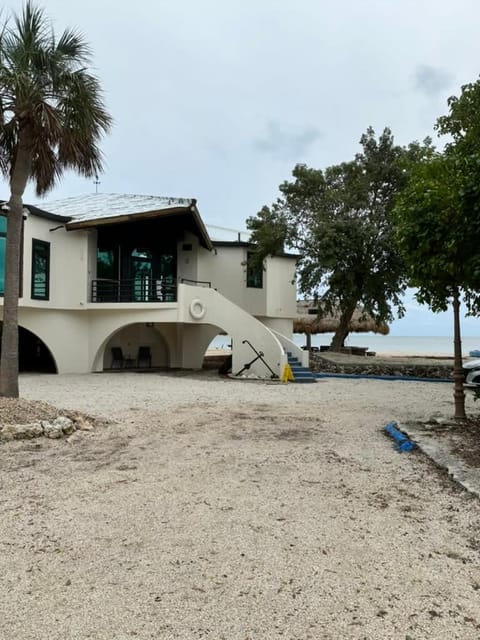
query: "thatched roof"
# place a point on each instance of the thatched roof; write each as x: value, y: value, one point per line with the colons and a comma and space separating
x: 310, y: 323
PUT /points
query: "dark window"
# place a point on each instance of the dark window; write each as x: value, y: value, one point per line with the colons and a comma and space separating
x: 40, y: 270
x: 3, y: 242
x: 254, y: 272
x: 105, y: 263
x: 106, y: 287
x: 141, y: 270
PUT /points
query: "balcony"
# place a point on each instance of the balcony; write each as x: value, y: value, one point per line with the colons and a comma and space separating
x: 143, y: 289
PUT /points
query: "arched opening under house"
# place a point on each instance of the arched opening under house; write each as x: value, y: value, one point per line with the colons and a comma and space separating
x: 218, y: 354
x: 139, y: 345
x: 33, y: 353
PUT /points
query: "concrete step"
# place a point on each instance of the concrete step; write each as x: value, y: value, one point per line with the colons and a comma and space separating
x: 300, y: 373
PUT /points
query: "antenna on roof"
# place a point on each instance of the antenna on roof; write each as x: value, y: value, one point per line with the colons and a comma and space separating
x: 96, y: 182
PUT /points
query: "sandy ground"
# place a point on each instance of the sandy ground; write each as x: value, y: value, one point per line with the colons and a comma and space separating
x: 233, y: 510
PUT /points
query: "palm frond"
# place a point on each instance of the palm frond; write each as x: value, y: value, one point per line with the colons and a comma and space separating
x: 46, y: 170
x: 72, y: 47
x: 48, y: 98
x: 32, y: 28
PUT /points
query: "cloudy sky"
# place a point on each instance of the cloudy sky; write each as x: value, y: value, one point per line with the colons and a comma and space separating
x: 219, y: 99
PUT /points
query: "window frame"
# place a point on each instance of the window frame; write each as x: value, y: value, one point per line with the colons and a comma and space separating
x: 254, y: 275
x: 36, y: 243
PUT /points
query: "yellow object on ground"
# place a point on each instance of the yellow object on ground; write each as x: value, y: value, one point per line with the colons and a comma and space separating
x: 287, y: 374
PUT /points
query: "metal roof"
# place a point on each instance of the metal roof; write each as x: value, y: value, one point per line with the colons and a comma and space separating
x: 98, y: 209
x: 97, y: 206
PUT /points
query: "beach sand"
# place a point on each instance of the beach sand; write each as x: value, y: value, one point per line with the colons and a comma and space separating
x: 219, y: 509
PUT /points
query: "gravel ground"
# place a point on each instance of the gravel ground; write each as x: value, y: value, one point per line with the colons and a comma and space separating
x: 219, y: 509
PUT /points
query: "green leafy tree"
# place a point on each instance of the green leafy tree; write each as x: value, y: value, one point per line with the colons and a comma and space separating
x: 51, y: 119
x: 437, y: 218
x: 339, y: 220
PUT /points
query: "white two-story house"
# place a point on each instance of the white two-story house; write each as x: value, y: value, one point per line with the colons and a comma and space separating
x: 106, y: 278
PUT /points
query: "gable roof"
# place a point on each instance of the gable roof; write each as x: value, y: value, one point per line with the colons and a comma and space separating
x: 98, y: 209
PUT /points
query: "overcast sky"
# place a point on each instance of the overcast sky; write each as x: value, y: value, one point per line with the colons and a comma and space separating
x: 219, y: 99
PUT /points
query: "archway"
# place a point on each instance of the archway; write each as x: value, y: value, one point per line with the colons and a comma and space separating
x: 218, y: 354
x: 33, y: 353
x: 128, y: 341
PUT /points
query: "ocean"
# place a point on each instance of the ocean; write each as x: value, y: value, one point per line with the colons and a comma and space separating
x: 401, y: 345
x: 391, y: 345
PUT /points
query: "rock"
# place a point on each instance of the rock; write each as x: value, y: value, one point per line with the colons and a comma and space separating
x: 365, y: 366
x: 8, y: 431
x: 21, y: 431
x: 65, y: 424
x: 35, y: 430
x: 52, y: 430
x: 57, y: 428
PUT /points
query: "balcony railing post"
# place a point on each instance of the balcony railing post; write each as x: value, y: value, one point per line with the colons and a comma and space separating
x: 133, y: 290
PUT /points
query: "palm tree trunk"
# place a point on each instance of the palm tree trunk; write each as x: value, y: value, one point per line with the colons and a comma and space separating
x: 9, y: 353
x: 459, y: 393
x: 341, y: 333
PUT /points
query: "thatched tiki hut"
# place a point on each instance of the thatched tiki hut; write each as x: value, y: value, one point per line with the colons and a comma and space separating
x: 310, y: 323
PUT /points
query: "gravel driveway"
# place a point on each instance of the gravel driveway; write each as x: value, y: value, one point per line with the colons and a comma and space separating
x: 218, y: 509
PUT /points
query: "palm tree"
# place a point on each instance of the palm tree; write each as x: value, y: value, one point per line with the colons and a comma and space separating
x: 51, y: 119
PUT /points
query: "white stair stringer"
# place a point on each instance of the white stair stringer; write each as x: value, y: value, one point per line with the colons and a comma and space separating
x: 202, y: 305
x: 290, y: 347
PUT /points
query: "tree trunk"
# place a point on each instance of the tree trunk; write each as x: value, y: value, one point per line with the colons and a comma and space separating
x: 308, y: 338
x: 341, y: 333
x: 459, y: 393
x: 9, y: 353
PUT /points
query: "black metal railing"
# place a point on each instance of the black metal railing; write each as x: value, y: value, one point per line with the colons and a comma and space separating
x: 134, y: 290
x: 197, y: 283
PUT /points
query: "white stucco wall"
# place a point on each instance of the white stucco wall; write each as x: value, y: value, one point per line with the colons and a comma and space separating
x: 65, y: 333
x: 80, y: 334
x: 68, y: 264
x: 73, y: 266
x: 243, y: 328
x: 281, y: 325
x: 187, y: 261
x: 225, y: 268
x: 279, y: 282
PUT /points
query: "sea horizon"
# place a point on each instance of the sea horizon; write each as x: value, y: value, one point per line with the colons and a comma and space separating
x: 380, y: 344
x: 401, y: 345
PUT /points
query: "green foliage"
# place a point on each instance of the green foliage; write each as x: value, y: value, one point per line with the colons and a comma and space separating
x: 463, y: 121
x: 437, y: 214
x: 339, y: 220
x: 438, y: 222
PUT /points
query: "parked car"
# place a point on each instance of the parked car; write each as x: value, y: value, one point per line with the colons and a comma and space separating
x: 471, y: 373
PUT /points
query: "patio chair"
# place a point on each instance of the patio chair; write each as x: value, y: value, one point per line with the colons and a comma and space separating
x: 118, y: 361
x: 144, y: 356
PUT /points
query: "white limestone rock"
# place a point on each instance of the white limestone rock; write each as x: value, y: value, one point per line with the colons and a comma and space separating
x: 65, y: 424
x: 52, y: 430
x: 21, y: 431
